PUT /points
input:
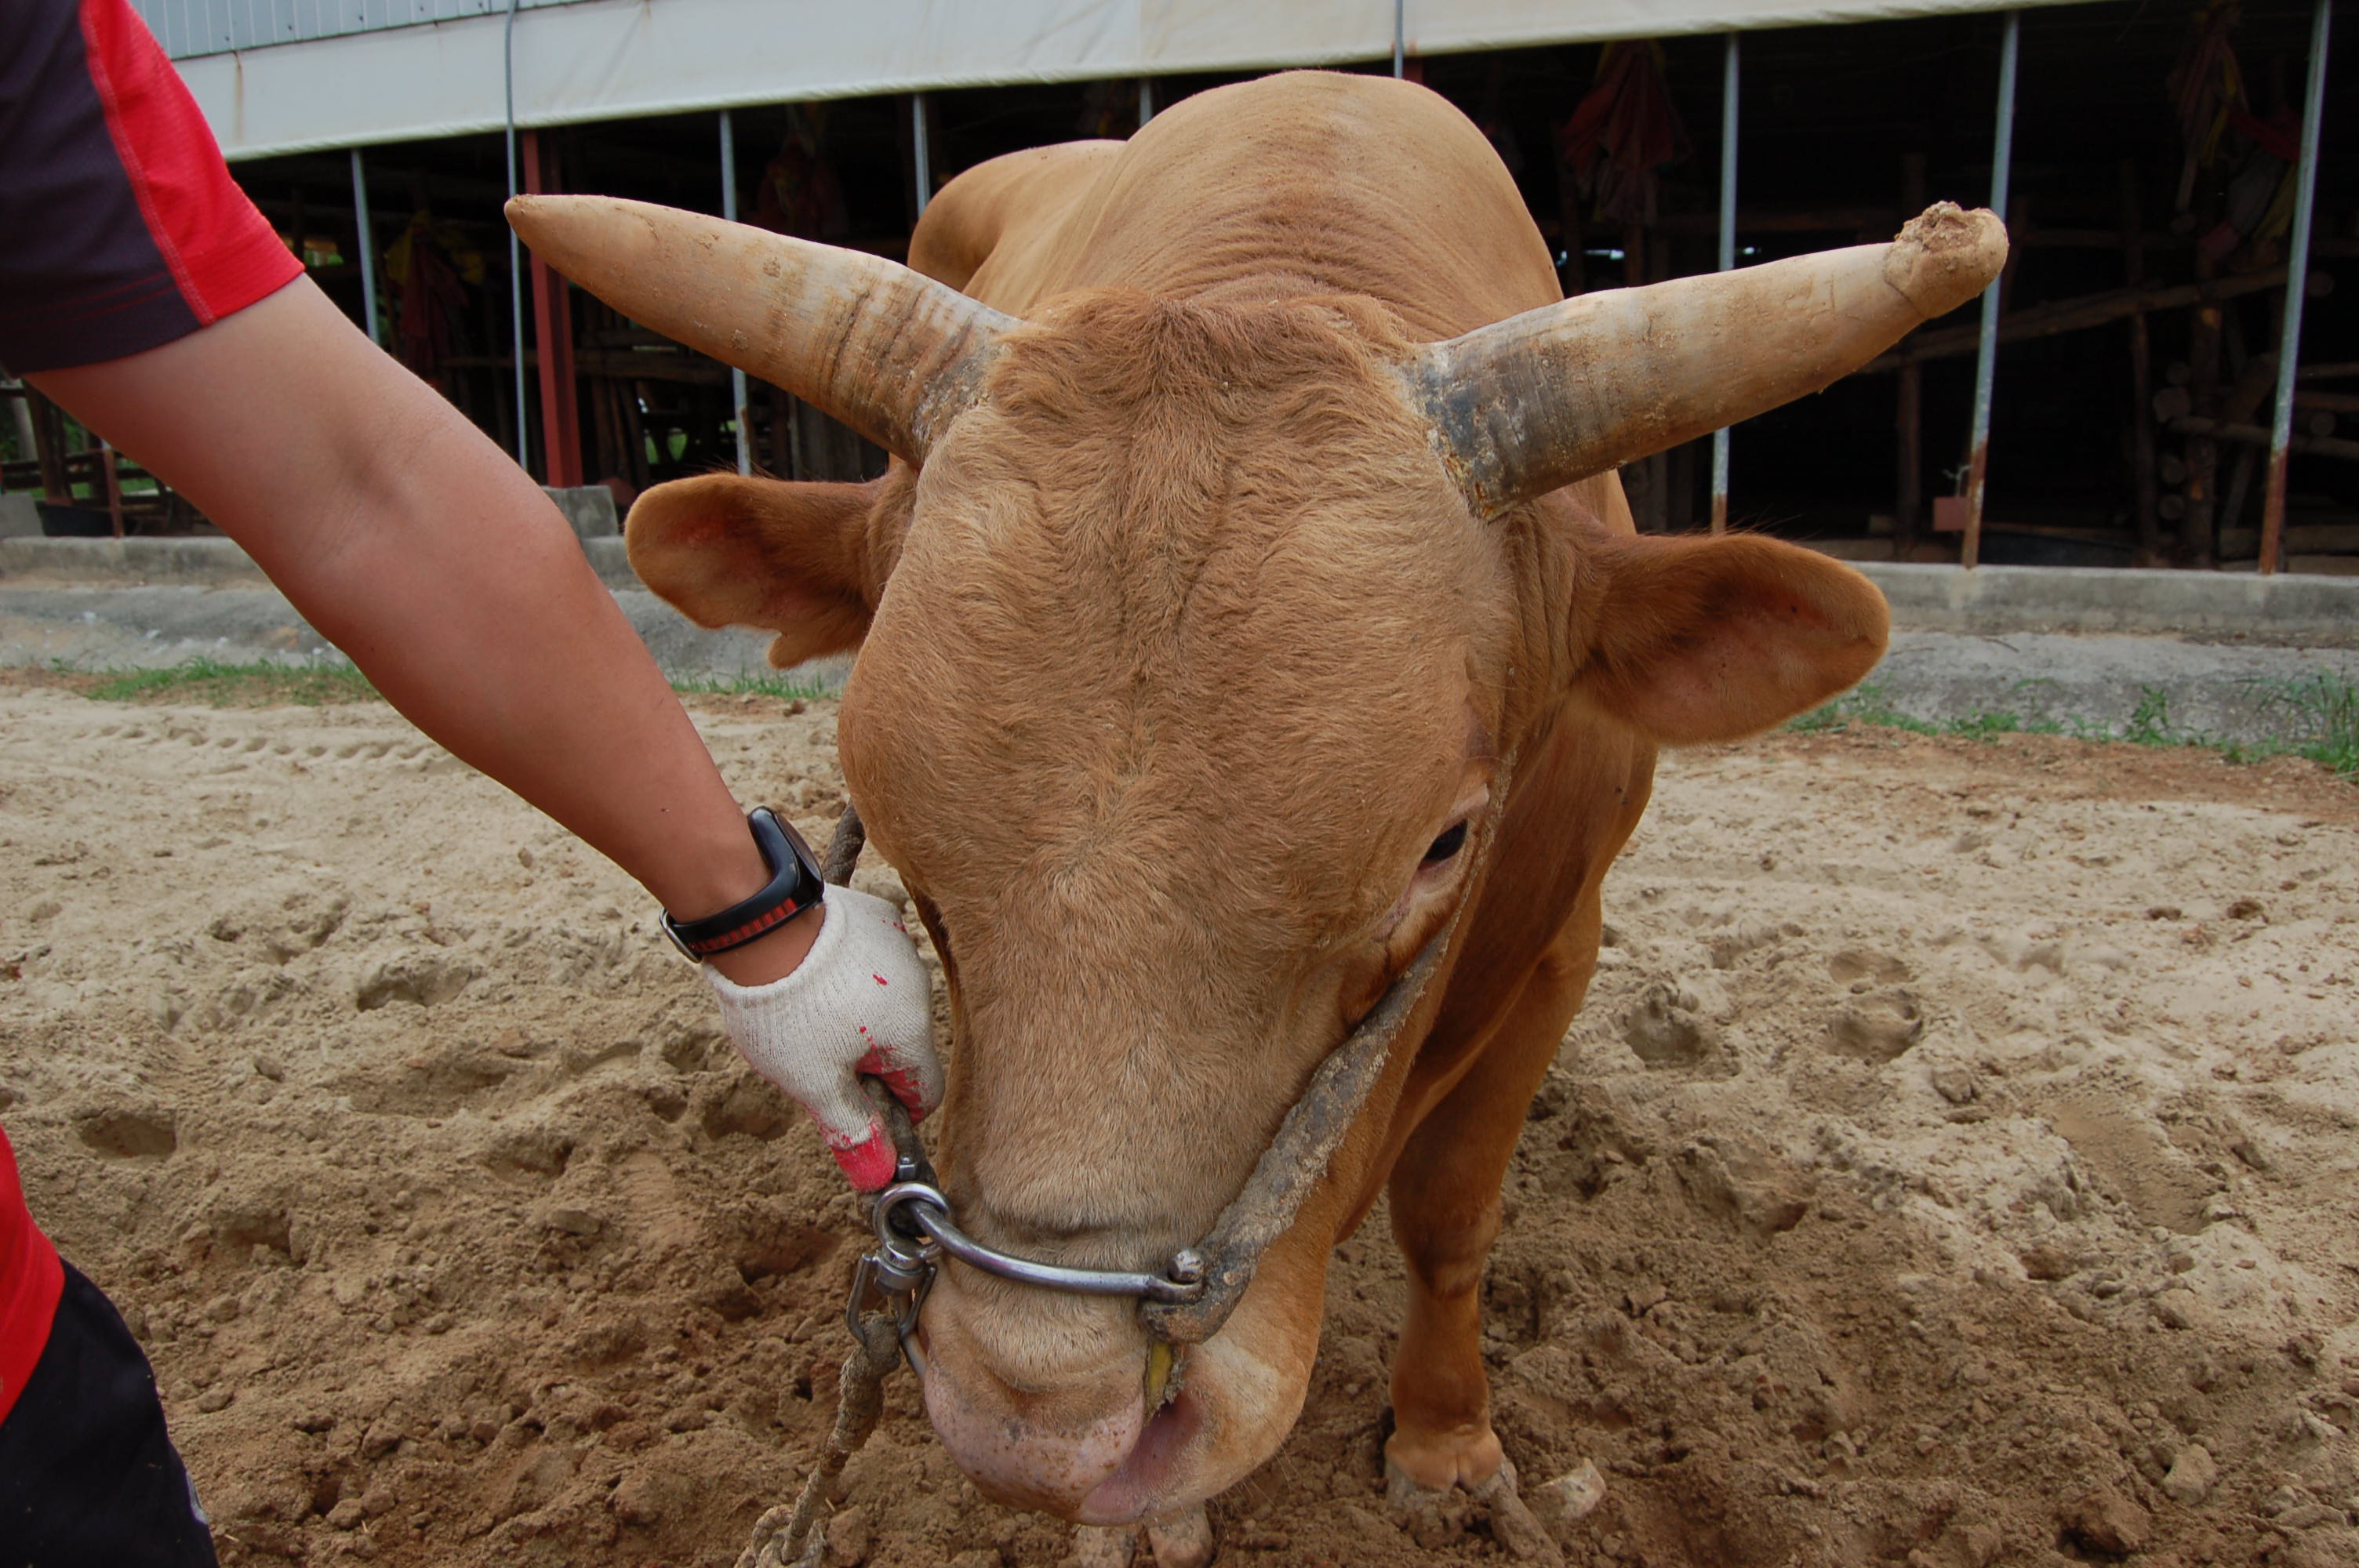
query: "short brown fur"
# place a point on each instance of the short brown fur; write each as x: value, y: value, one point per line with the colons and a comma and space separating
x: 1178, y: 651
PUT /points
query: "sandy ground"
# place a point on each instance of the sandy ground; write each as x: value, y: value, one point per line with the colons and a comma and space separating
x: 1954, y: 1166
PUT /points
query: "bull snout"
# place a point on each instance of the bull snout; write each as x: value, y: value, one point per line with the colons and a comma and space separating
x: 1050, y: 1403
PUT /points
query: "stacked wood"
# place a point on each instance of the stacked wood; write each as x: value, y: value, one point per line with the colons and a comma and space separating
x: 2258, y: 436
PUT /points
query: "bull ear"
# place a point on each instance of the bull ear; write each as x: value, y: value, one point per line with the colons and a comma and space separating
x: 1710, y: 639
x: 725, y: 550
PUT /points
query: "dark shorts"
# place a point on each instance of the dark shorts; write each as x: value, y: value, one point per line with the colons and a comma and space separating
x: 88, y: 1478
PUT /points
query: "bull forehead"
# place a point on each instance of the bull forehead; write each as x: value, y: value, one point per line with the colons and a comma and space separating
x: 1187, y: 615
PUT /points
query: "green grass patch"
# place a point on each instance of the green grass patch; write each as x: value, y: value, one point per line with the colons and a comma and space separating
x: 1868, y: 705
x: 2316, y: 717
x: 778, y: 687
x: 219, y: 685
x: 2321, y: 716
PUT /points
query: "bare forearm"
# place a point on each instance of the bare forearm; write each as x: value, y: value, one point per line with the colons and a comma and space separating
x: 415, y: 545
x: 485, y: 625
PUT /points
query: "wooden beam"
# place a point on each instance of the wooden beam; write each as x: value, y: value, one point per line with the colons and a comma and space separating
x: 2196, y: 426
x: 623, y: 364
x: 2143, y: 453
x: 553, y: 331
x: 114, y: 481
x: 48, y: 447
x: 2086, y: 311
x: 2198, y: 530
x: 1909, y: 405
x: 2301, y: 538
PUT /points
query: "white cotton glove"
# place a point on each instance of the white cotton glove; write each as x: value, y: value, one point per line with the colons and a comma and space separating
x: 859, y: 1003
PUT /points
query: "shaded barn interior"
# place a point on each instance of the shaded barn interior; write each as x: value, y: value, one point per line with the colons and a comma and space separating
x: 2141, y: 306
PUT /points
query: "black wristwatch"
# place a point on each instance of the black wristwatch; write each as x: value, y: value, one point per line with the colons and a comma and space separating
x: 795, y: 886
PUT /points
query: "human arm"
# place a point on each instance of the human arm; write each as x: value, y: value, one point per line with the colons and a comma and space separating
x: 416, y: 547
x: 419, y: 548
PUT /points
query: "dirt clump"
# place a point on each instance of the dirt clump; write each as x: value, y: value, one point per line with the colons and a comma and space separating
x: 1952, y: 1168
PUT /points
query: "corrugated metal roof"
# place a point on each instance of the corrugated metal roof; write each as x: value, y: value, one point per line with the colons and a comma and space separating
x: 387, y: 79
x: 191, y: 27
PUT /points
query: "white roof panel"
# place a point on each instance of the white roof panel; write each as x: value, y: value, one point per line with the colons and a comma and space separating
x: 604, y: 59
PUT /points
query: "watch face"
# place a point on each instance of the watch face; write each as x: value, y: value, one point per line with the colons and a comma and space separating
x: 807, y: 890
x: 794, y: 841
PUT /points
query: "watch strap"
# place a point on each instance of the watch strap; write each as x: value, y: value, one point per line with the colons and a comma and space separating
x: 795, y: 885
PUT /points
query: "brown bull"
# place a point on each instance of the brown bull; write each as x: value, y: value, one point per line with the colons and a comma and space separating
x: 1229, y: 548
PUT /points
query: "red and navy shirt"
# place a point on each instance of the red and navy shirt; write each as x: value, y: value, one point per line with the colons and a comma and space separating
x: 120, y: 227
x: 120, y: 230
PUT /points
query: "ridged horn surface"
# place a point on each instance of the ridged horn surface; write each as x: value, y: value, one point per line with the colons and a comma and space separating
x: 1557, y: 394
x: 891, y: 353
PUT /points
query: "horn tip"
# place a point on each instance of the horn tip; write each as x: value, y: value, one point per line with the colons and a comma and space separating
x: 1945, y: 255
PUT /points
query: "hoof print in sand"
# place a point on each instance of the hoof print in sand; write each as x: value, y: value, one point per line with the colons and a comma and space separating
x: 429, y: 980
x: 1879, y: 1027
x: 1667, y: 1028
x: 126, y: 1132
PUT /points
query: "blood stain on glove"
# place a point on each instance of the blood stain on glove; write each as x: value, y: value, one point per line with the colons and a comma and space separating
x: 869, y: 1166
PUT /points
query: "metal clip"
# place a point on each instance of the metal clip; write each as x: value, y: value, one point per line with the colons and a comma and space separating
x: 894, y: 1276
x: 891, y: 1284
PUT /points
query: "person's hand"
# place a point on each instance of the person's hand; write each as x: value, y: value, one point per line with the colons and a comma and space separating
x: 859, y: 1003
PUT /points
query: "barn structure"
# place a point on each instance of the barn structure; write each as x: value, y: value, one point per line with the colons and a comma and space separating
x: 2166, y: 374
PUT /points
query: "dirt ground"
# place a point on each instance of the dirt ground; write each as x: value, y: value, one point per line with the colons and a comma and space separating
x: 1954, y: 1165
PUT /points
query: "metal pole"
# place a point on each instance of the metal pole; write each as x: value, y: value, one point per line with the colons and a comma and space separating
x: 738, y: 399
x: 2313, y: 110
x: 367, y: 242
x: 515, y: 250
x: 1400, y: 53
x: 922, y: 155
x: 1146, y: 99
x: 1727, y: 260
x: 1986, y: 348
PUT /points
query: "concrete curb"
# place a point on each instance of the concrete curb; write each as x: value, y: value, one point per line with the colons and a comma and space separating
x: 105, y: 565
x: 153, y: 625
x: 2292, y: 608
x: 100, y: 565
x: 2221, y: 653
x: 210, y: 561
x: 2165, y: 688
x: 2289, y: 607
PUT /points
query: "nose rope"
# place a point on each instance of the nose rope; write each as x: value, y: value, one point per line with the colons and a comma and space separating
x: 1185, y: 1304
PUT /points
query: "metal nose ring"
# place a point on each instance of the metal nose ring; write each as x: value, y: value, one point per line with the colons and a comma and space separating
x: 927, y: 1212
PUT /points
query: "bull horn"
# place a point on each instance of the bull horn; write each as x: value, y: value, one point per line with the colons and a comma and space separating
x: 893, y: 354
x: 1556, y: 394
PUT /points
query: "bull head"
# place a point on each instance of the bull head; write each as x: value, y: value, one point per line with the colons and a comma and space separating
x: 1518, y: 408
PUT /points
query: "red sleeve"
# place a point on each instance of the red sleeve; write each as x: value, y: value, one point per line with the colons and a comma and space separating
x: 223, y: 253
x: 30, y: 1279
x: 120, y: 227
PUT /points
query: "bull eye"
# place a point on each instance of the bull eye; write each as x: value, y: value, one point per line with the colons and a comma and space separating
x: 1448, y: 845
